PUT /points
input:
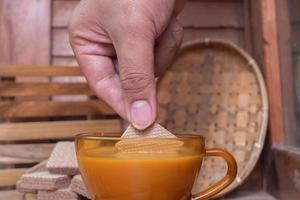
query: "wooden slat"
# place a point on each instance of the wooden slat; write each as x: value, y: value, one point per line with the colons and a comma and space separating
x: 13, y: 154
x: 64, y: 60
x: 294, y: 9
x: 9, y: 177
x: 43, y: 89
x: 286, y: 73
x: 248, y: 31
x: 23, y: 70
x: 195, y: 14
x: 213, y: 14
x: 272, y: 70
x: 62, y: 11
x: 288, y: 171
x: 295, y: 37
x: 60, y: 43
x: 53, y: 108
x: 256, y: 32
x: 234, y: 35
x: 55, y: 130
x: 15, y: 195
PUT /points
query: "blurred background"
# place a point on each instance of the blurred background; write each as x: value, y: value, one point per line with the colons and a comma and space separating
x: 35, y: 33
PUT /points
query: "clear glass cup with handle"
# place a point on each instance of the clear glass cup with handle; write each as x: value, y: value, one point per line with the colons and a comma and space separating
x: 151, y: 174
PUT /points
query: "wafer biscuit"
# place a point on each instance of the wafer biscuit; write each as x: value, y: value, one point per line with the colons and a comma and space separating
x: 78, y: 186
x: 61, y: 194
x: 63, y: 159
x: 43, y: 180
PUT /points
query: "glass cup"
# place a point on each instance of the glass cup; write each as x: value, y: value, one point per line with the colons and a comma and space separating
x: 111, y: 174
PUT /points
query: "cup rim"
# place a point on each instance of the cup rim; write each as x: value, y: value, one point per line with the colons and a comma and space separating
x: 114, y: 136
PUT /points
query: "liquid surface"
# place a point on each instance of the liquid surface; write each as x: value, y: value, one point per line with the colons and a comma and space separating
x: 111, y: 175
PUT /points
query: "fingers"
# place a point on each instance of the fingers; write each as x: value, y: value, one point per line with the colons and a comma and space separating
x: 135, y: 57
x: 104, y: 81
x: 100, y: 73
x: 167, y: 45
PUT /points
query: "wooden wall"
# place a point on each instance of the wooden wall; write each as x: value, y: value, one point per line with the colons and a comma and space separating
x: 35, y: 32
x: 61, y: 52
x: 295, y: 20
x: 294, y: 9
x: 295, y: 33
x: 213, y: 19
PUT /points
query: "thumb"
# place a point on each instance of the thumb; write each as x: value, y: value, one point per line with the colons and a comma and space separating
x: 136, y: 60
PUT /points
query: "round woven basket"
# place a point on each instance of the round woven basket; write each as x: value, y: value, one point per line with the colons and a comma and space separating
x: 216, y: 89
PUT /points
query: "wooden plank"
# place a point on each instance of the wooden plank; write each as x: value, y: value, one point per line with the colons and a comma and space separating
x: 14, y: 154
x: 15, y: 195
x: 43, y: 89
x: 60, y: 43
x: 53, y: 108
x: 62, y: 11
x: 234, y: 35
x: 256, y: 32
x: 294, y: 9
x: 248, y: 31
x: 30, y: 70
x: 287, y: 159
x: 55, y: 130
x: 272, y: 70
x: 64, y: 60
x: 212, y: 14
x: 287, y: 72
x: 9, y: 177
x: 295, y: 37
x: 25, y: 32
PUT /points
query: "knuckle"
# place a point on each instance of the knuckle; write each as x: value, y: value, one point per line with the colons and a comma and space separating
x: 177, y: 33
x: 136, y: 83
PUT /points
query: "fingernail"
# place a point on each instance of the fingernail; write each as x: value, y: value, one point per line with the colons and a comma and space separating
x: 141, y: 114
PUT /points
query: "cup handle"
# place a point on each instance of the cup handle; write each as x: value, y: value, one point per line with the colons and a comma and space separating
x: 220, y: 185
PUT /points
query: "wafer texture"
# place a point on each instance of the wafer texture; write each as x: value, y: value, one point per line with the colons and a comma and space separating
x: 149, y: 145
x: 63, y: 159
x: 146, y: 141
x: 43, y: 180
x: 24, y: 190
x: 37, y: 168
x: 154, y: 131
x: 78, y: 186
x: 61, y: 194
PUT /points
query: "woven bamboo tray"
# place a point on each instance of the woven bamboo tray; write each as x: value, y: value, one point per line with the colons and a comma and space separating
x: 216, y: 89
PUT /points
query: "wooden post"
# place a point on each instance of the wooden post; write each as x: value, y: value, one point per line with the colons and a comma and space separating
x: 287, y: 76
x: 248, y: 39
x: 272, y: 70
x: 25, y: 32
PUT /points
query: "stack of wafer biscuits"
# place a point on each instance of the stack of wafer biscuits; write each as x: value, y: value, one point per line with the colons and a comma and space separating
x: 55, y: 179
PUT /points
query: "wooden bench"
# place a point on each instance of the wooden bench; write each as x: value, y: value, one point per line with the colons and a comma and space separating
x: 33, y: 118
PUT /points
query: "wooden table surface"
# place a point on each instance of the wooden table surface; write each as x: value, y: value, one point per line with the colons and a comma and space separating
x: 258, y: 195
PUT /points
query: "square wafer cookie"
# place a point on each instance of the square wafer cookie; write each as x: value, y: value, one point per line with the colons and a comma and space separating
x: 63, y: 159
x: 43, y: 180
x: 78, y: 186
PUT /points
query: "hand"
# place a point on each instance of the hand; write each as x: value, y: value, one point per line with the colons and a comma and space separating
x: 143, y: 35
